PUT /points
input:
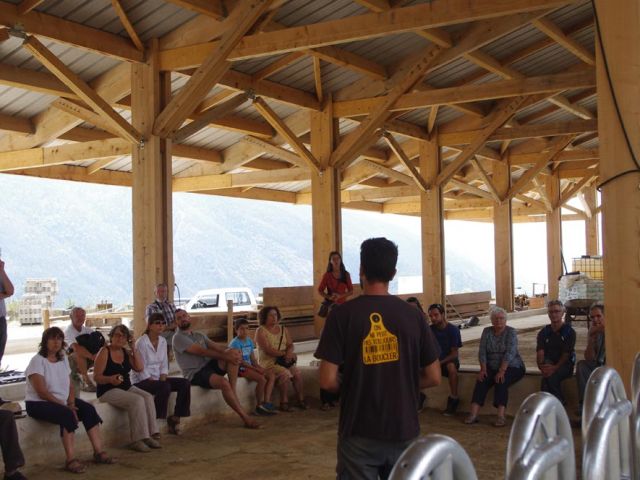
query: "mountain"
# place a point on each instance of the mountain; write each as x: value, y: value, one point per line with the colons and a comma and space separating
x: 81, y: 235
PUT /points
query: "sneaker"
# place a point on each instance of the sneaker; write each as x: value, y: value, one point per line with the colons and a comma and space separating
x: 270, y: 406
x: 452, y: 406
x: 262, y: 410
x: 140, y: 446
x: 470, y: 420
x: 421, y: 401
x: 500, y: 422
x: 152, y: 442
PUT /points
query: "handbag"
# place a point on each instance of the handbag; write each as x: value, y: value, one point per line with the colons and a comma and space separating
x: 325, y: 306
x: 281, y: 360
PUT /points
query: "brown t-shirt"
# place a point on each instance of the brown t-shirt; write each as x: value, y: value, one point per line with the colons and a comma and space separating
x: 383, y: 343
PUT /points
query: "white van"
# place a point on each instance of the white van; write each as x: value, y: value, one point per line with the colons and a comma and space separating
x: 215, y: 300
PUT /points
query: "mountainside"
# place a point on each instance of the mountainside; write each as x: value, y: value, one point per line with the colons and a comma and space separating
x: 81, y: 235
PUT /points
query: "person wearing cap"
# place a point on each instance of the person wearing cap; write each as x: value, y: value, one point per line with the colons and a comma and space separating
x: 449, y: 341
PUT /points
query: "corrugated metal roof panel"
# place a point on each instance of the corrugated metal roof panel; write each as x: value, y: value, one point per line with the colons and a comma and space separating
x: 305, y: 12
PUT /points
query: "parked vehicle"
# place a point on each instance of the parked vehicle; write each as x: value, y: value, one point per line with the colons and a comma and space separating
x: 215, y: 300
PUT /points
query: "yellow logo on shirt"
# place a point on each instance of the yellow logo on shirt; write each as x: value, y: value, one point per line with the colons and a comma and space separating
x: 380, y: 345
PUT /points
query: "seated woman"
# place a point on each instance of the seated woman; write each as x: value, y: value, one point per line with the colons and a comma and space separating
x: 500, y: 366
x: 152, y: 349
x: 111, y: 373
x: 50, y: 397
x: 275, y: 353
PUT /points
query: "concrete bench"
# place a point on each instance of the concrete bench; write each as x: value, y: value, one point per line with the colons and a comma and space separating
x: 40, y: 441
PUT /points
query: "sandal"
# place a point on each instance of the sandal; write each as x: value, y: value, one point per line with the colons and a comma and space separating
x: 470, y: 420
x: 500, y: 422
x: 173, y: 423
x: 302, y: 405
x: 285, y: 407
x: 75, y: 466
x: 252, y: 425
x: 103, y: 458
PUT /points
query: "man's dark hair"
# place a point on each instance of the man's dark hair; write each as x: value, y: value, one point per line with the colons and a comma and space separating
x: 378, y: 258
x: 436, y: 306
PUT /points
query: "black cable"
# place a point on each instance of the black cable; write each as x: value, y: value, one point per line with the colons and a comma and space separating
x: 615, y: 103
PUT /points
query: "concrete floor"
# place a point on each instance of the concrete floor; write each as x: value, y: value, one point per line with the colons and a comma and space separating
x: 299, y: 445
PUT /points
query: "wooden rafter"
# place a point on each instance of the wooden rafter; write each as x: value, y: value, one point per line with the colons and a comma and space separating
x: 128, y: 26
x: 402, y: 81
x: 554, y: 32
x: 230, y: 180
x: 282, y: 128
x: 278, y: 65
x: 570, y: 192
x: 495, y: 120
x: 465, y: 187
x: 214, y: 66
x: 485, y: 178
x: 211, y: 8
x: 472, y: 93
x: 413, y: 171
x: 275, y: 150
x: 431, y: 121
x: 360, y: 27
x: 85, y: 114
x: 25, y: 6
x: 81, y: 88
x: 554, y: 148
x: 204, y: 119
x: 71, y: 33
x: 317, y: 78
x: 98, y: 165
x: 347, y: 59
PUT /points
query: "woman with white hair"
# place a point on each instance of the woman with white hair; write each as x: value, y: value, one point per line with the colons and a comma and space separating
x: 500, y: 366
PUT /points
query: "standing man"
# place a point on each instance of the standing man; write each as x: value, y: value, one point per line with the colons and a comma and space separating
x: 205, y: 364
x: 595, y: 354
x: 167, y: 309
x: 555, y: 351
x: 388, y: 354
x: 78, y: 354
x: 449, y: 340
x: 6, y: 290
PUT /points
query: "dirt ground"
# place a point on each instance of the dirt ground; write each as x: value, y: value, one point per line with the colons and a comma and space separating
x: 526, y: 346
x: 299, y: 445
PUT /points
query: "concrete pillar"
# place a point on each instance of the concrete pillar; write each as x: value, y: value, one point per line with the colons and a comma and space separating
x: 432, y: 226
x: 325, y: 202
x: 554, y: 236
x: 152, y: 192
x: 620, y: 33
x: 503, y: 238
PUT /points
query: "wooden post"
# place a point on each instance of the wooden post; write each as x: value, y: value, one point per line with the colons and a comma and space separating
x: 432, y: 226
x: 554, y: 236
x: 229, y: 320
x: 152, y: 189
x: 620, y: 32
x: 325, y: 201
x: 503, y: 238
x: 591, y: 226
x: 46, y: 318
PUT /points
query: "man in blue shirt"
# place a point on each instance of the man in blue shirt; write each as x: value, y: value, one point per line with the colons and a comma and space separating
x: 449, y: 340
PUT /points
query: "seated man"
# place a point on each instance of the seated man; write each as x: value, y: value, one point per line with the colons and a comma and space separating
x: 79, y: 356
x: 449, y: 340
x: 204, y: 363
x: 555, y: 350
x: 594, y: 354
x: 11, y: 453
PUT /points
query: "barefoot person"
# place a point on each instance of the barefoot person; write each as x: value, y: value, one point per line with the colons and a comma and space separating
x: 205, y: 364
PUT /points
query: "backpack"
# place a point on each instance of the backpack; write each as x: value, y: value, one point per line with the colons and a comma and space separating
x: 93, y: 341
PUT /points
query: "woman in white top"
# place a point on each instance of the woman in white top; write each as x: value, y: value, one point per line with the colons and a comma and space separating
x: 152, y: 347
x: 50, y: 397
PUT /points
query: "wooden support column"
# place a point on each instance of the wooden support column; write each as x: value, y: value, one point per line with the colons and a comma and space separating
x: 620, y: 32
x: 432, y: 226
x: 554, y: 236
x: 591, y: 224
x: 325, y: 201
x: 152, y: 189
x: 503, y: 237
